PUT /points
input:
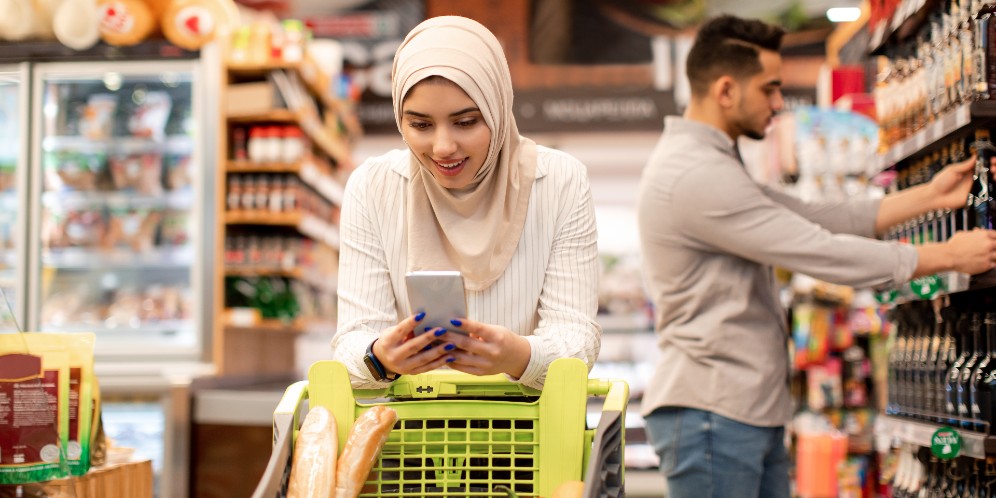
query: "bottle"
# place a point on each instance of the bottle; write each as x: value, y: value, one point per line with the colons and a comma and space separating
x: 947, y: 356
x: 964, y: 403
x: 954, y: 373
x: 277, y: 195
x: 255, y: 146
x: 248, y: 193
x: 979, y: 198
x: 979, y: 395
x: 239, y: 146
x: 262, y: 192
x: 234, y: 199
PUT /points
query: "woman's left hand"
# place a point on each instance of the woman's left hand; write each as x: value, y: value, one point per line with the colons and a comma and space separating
x: 951, y: 185
x: 487, y: 349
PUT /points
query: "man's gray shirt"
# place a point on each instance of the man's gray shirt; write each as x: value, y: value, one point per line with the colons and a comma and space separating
x: 710, y: 237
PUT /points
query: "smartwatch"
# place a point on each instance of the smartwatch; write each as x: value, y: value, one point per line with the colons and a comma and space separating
x: 375, y: 367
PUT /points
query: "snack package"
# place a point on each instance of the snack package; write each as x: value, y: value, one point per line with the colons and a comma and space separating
x: 178, y: 171
x: 148, y: 118
x: 139, y: 172
x: 133, y: 227
x: 174, y: 228
x: 97, y: 122
x: 34, y: 412
x: 70, y: 170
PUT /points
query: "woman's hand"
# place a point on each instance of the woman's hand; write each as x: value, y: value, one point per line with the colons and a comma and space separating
x: 950, y: 186
x: 488, y: 349
x: 403, y: 352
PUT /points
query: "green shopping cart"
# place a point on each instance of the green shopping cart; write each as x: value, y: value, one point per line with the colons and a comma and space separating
x: 469, y: 436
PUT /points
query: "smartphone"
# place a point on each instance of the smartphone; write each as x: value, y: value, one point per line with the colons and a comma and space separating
x: 440, y: 294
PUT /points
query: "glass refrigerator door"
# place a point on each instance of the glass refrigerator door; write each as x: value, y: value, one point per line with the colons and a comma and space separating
x: 117, y: 192
x: 13, y: 181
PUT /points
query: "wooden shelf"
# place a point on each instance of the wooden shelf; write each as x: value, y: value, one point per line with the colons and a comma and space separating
x: 307, y: 69
x: 308, y: 225
x: 310, y: 124
x: 271, y: 327
x: 321, y: 281
x: 323, y: 183
x: 273, y: 116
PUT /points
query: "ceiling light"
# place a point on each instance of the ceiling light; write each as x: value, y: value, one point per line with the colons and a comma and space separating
x: 843, y: 14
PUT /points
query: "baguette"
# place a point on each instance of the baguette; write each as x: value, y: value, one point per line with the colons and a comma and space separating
x: 367, y: 437
x: 313, y: 469
x: 569, y: 489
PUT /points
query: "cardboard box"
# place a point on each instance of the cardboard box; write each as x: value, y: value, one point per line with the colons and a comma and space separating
x: 251, y: 99
x: 123, y: 480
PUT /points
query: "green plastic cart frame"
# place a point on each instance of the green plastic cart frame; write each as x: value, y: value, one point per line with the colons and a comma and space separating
x: 465, y: 435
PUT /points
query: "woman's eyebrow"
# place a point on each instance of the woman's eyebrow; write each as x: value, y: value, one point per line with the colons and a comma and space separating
x: 426, y: 116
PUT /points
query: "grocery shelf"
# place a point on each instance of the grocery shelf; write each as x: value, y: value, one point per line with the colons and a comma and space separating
x: 323, y: 183
x: 309, y: 225
x: 89, y: 258
x: 888, y: 427
x: 949, y: 283
x: 315, y: 279
x: 182, y: 200
x: 936, y: 131
x: 177, y: 144
x: 312, y: 126
x: 905, y: 21
x: 162, y: 327
x: 307, y: 69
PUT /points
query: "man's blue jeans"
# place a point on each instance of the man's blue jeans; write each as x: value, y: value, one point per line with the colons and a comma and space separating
x: 706, y: 455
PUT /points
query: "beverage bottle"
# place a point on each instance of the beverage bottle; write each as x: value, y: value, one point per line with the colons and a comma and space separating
x: 964, y: 403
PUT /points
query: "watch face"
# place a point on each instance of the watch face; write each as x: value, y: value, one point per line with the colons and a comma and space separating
x: 373, y: 367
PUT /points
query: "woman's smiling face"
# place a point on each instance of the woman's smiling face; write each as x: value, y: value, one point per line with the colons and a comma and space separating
x: 446, y: 131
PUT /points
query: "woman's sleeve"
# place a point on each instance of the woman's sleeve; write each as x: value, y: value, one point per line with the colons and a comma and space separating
x: 366, y: 297
x: 569, y: 299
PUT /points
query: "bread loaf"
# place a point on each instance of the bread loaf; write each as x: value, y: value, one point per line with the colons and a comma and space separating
x: 569, y: 489
x: 314, y: 465
x: 366, y: 439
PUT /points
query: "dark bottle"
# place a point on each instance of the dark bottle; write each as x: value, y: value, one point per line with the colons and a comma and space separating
x: 954, y: 373
x: 917, y: 362
x: 892, y: 406
x: 979, y: 197
x: 946, y: 357
x: 987, y: 394
x: 932, y: 381
x: 964, y: 403
x: 980, y: 395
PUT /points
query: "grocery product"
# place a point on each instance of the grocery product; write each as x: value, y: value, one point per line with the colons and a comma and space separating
x: 367, y: 437
x: 314, y: 469
x: 569, y: 489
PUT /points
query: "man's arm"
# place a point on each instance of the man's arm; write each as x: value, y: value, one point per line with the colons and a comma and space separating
x: 947, y: 190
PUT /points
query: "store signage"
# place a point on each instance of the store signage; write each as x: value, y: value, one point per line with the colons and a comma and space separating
x: 945, y: 443
x: 592, y: 109
x: 926, y: 287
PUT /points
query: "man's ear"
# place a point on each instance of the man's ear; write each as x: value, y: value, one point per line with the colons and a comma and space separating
x: 725, y: 90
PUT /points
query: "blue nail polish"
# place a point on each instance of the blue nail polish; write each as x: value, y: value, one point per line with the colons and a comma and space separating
x: 440, y: 332
x: 449, y: 347
x: 450, y: 360
x: 427, y: 329
x: 420, y: 316
x: 427, y: 347
x: 456, y: 323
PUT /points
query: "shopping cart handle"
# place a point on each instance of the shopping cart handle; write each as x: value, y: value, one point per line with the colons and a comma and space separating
x: 616, y: 393
x: 287, y: 411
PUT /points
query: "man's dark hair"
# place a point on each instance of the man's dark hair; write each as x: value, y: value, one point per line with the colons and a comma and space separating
x: 729, y: 45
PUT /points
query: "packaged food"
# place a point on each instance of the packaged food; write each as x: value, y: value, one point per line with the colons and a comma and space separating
x: 71, y: 170
x: 174, y: 229
x: 135, y: 228
x: 76, y: 228
x: 125, y: 22
x: 313, y: 470
x: 139, y: 172
x: 34, y: 431
x: 97, y: 122
x: 148, y: 118
x: 178, y: 171
x: 366, y: 439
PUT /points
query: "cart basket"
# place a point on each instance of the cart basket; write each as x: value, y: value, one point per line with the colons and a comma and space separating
x: 469, y: 436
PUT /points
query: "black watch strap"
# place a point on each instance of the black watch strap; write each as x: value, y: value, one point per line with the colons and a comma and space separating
x: 375, y: 367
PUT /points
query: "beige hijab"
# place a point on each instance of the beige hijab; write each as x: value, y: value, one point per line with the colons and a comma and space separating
x: 476, y: 229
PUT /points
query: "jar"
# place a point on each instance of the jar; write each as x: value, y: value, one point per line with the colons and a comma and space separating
x: 293, y: 144
x: 256, y: 144
x: 272, y: 148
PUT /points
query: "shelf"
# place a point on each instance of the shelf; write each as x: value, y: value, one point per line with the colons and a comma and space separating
x: 177, y: 144
x: 93, y: 258
x: 306, y: 69
x: 273, y: 326
x: 905, y: 21
x: 315, y: 279
x: 159, y: 328
x: 887, y: 427
x: 182, y: 200
x: 310, y: 124
x: 308, y: 225
x: 323, y: 183
x: 633, y: 322
x: 936, y: 131
x: 947, y: 283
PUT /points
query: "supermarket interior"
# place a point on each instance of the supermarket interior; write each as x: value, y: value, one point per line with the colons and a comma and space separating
x: 172, y: 175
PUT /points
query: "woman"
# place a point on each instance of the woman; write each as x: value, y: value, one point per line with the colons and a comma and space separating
x: 469, y: 194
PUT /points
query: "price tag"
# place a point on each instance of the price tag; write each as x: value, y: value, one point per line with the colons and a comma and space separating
x: 920, y: 140
x: 945, y: 443
x: 936, y: 130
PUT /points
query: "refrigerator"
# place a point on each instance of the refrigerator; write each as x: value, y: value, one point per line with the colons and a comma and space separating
x: 106, y: 226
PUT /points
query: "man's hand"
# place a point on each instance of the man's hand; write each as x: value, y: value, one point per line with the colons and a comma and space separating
x: 949, y: 188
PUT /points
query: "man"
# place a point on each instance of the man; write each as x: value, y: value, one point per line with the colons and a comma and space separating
x: 719, y: 398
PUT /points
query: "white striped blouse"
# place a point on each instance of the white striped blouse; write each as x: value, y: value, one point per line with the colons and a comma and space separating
x: 548, y: 292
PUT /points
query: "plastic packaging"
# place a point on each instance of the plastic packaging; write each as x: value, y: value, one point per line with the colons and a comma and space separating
x: 313, y: 472
x: 366, y: 439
